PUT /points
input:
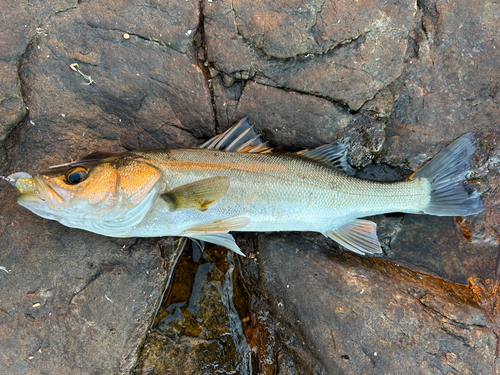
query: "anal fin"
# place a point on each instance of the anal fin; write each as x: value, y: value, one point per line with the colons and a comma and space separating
x: 199, y: 194
x: 359, y: 236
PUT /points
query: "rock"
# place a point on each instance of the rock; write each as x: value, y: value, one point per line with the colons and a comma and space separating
x: 450, y: 87
x: 335, y: 50
x: 145, y: 111
x: 396, y: 82
x: 70, y: 300
x: 170, y: 24
x: 216, y: 319
x: 368, y: 315
x: 13, y: 41
x: 292, y: 126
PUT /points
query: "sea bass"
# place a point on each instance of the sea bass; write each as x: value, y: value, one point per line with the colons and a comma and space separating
x: 234, y: 183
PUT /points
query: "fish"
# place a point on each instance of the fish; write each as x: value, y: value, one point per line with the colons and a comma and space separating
x: 235, y: 183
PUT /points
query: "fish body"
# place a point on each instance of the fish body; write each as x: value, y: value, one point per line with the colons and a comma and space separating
x: 272, y: 192
x: 233, y: 183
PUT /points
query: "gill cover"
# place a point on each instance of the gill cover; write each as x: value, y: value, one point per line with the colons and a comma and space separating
x: 122, y: 198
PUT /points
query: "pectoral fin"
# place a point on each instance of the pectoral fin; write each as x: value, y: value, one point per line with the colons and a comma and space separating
x: 359, y: 236
x: 220, y: 225
x: 199, y: 195
x: 221, y: 239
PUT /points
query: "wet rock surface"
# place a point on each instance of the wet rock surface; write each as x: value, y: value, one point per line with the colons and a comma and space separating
x: 395, y: 81
x: 72, y: 302
x: 357, y: 320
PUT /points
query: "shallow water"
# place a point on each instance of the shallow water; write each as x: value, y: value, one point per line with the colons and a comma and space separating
x: 201, y: 318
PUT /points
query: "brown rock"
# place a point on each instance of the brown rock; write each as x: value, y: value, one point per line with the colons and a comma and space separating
x: 368, y: 315
x: 291, y: 125
x: 451, y: 88
x: 306, y: 73
x: 215, y: 318
x: 335, y: 50
x: 13, y: 41
x: 172, y: 24
x: 71, y: 301
x: 134, y: 101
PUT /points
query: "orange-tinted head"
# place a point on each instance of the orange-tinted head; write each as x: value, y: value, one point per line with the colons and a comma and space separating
x: 108, y: 196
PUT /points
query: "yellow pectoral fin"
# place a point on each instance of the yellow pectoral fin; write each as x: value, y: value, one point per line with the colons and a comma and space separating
x: 220, y: 226
x: 199, y: 195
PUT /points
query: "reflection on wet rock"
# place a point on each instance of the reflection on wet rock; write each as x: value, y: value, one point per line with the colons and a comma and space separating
x: 198, y: 323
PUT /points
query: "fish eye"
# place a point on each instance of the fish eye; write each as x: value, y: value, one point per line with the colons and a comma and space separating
x: 76, y: 175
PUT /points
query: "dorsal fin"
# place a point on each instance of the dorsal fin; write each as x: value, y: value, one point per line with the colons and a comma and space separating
x: 239, y: 138
x: 93, y: 156
x: 334, y: 154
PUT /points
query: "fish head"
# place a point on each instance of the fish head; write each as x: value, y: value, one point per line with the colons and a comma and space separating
x: 108, y: 196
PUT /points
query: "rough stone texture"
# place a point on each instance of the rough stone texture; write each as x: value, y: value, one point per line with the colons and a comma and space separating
x: 292, y: 126
x: 340, y: 50
x: 172, y: 24
x: 396, y: 81
x: 216, y: 318
x: 450, y: 87
x: 72, y: 302
x: 137, y: 99
x: 15, y: 32
x: 366, y: 316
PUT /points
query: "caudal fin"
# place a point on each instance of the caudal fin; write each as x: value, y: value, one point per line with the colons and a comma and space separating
x: 451, y: 195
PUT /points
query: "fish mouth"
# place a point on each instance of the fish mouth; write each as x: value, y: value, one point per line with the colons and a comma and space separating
x: 43, y: 198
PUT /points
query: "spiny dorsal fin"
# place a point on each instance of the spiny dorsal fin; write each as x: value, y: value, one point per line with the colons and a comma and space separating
x: 239, y: 138
x: 199, y: 194
x: 359, y: 236
x: 334, y: 154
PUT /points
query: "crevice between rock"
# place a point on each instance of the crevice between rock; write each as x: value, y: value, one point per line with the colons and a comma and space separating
x: 340, y: 103
x: 337, y: 44
x: 150, y: 39
x: 24, y: 95
x: 204, y: 64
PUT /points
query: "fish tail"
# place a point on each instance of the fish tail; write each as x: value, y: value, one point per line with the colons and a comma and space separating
x: 451, y: 195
